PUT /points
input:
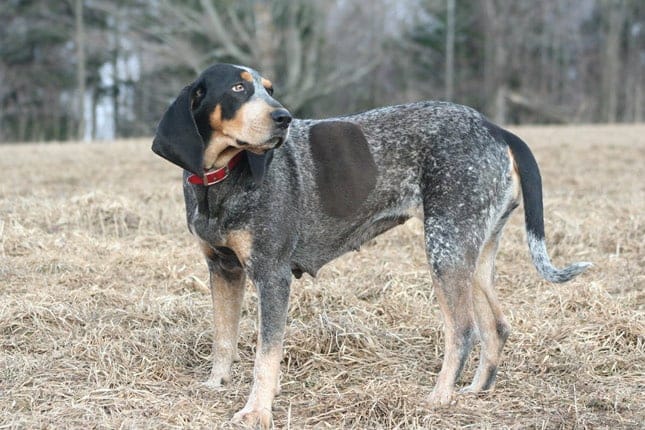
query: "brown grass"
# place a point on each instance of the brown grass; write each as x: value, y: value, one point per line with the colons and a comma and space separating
x: 105, y: 318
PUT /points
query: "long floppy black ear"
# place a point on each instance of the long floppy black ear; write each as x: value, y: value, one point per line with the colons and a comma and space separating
x: 177, y: 139
x: 259, y: 163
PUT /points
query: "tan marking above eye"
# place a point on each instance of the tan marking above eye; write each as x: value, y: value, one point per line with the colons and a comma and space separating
x: 246, y: 76
x: 266, y: 83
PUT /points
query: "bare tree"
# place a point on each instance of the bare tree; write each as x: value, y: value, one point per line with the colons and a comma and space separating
x: 285, y: 39
x: 615, y: 10
x: 635, y: 64
x: 450, y: 49
x: 80, y: 66
x: 495, y: 58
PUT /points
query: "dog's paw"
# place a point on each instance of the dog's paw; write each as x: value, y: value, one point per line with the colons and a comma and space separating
x: 439, y: 398
x: 469, y: 390
x: 218, y: 378
x: 214, y: 384
x: 253, y: 418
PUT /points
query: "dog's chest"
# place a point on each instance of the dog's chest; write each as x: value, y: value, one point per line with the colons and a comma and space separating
x: 213, y: 237
x: 206, y: 229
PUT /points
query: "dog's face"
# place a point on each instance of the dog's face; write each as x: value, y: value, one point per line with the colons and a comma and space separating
x: 226, y: 110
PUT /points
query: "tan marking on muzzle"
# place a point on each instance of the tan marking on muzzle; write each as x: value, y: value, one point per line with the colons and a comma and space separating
x: 252, y: 123
x: 215, y: 118
x: 219, y: 151
x: 221, y: 148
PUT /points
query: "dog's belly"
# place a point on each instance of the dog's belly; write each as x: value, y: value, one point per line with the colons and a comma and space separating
x: 324, y: 243
x: 321, y: 254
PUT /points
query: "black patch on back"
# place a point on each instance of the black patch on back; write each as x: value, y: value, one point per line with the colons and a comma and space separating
x: 344, y: 167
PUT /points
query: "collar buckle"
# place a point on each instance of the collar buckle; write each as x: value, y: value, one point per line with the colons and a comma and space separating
x: 216, y: 176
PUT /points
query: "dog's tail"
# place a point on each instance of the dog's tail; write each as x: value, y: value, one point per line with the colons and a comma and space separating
x: 531, y: 183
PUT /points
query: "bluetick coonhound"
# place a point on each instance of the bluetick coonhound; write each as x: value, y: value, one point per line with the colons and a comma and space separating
x: 291, y: 195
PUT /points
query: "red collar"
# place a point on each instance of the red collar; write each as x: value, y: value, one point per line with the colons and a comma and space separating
x: 218, y: 175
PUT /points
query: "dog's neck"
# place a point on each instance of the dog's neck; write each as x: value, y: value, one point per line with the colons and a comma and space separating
x: 219, y: 152
x: 212, y: 200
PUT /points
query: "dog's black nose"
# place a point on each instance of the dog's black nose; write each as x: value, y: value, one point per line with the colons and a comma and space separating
x: 282, y: 117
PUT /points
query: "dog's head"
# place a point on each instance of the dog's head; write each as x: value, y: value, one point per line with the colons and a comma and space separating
x: 226, y: 110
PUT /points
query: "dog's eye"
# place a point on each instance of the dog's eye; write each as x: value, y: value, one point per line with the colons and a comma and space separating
x: 269, y: 90
x: 238, y: 88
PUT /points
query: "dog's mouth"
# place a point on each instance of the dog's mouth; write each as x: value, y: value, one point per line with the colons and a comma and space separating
x: 272, y: 143
x: 219, y: 152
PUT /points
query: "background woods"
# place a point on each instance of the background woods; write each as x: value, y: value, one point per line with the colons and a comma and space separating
x: 89, y: 69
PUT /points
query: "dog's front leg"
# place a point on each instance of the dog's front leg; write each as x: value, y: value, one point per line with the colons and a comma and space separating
x: 227, y: 290
x: 273, y: 298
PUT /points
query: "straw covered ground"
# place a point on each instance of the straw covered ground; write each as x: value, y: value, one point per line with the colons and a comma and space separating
x: 105, y: 314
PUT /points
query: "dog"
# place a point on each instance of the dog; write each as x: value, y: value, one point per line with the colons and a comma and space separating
x: 269, y: 197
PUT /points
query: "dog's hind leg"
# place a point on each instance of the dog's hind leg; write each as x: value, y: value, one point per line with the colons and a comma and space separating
x: 452, y: 268
x: 454, y: 294
x: 492, y: 326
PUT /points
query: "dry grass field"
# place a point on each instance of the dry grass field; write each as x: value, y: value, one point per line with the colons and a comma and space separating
x: 105, y: 315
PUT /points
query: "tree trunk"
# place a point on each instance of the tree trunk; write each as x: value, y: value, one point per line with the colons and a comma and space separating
x: 95, y: 103
x: 633, y: 82
x: 637, y: 100
x: 115, y: 79
x: 80, y: 67
x: 489, y: 54
x: 23, y: 121
x: 495, y: 75
x: 611, y: 71
x: 450, y: 49
x: 501, y: 103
